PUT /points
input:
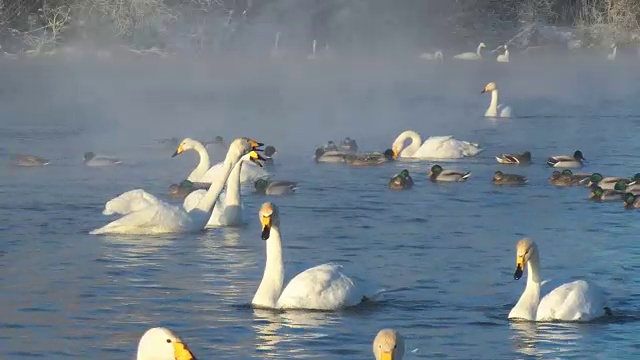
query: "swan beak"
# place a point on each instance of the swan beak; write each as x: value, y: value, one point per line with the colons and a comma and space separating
x: 519, y: 268
x: 266, y: 227
x: 255, y: 157
x: 386, y: 355
x: 179, y: 151
x: 395, y: 153
x: 255, y: 145
x: 181, y: 351
x: 483, y: 91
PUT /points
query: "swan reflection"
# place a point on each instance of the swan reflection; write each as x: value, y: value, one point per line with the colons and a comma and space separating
x: 537, y: 339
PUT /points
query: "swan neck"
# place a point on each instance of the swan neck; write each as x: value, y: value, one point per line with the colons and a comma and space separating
x: 493, y: 106
x: 233, y: 186
x: 273, y: 278
x: 203, y: 165
x: 478, y: 49
x: 534, y: 270
x: 416, y: 142
x: 212, y: 195
x: 527, y: 306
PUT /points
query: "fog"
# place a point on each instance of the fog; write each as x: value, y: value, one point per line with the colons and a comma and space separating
x: 370, y: 85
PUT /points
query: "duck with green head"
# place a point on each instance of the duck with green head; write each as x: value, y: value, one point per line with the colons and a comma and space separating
x: 369, y: 158
x: 631, y: 201
x: 565, y: 161
x: 180, y: 191
x: 438, y: 174
x: 599, y: 194
x: 500, y: 178
x: 606, y: 183
x: 266, y: 187
x: 515, y: 159
x: 401, y: 181
x: 565, y: 178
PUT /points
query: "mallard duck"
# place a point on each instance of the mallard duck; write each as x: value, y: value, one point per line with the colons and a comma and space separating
x: 265, y: 187
x: 29, y: 160
x: 91, y: 159
x: 582, y: 178
x: 515, y: 159
x: 438, y: 174
x: 564, y: 178
x: 565, y: 161
x: 186, y: 187
x: 401, y: 181
x: 500, y: 178
x: 606, y: 183
x: 329, y: 156
x: 369, y: 159
x: 269, y: 153
x: 349, y: 145
x: 631, y: 201
x: 599, y: 194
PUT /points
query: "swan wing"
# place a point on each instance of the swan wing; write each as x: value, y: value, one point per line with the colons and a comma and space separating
x: 193, y: 199
x: 154, y: 219
x: 446, y: 147
x: 505, y: 111
x: 128, y: 202
x: 573, y: 301
x: 324, y: 287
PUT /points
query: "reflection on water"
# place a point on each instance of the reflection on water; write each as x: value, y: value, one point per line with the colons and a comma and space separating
x: 538, y: 339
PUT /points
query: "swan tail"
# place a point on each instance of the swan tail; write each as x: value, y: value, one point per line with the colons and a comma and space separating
x: 377, y: 296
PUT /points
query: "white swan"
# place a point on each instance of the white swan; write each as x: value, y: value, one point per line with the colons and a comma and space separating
x: 313, y: 55
x: 388, y: 345
x: 162, y: 217
x: 162, y: 344
x: 128, y: 202
x: 572, y: 301
x: 203, y: 165
x: 323, y: 287
x: 249, y: 173
x: 612, y: 55
x: 228, y: 209
x: 429, y: 56
x: 470, y: 55
x: 435, y: 147
x: 494, y: 109
x: 503, y: 57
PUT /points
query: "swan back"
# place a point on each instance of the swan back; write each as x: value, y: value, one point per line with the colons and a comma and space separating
x: 128, y: 202
x: 162, y: 344
x: 388, y: 344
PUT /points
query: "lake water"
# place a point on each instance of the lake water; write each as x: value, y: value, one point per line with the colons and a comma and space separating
x: 448, y: 249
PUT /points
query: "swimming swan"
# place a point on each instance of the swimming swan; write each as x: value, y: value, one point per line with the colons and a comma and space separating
x: 435, y: 147
x: 429, y: 56
x: 162, y: 344
x: 573, y: 301
x: 249, y: 173
x: 203, y: 165
x: 323, y: 287
x: 388, y: 345
x: 166, y: 218
x: 91, y: 159
x: 471, y: 56
x: 503, y: 57
x: 495, y: 109
x: 614, y: 49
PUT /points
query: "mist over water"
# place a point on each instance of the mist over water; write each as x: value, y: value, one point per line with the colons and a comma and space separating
x: 449, y: 248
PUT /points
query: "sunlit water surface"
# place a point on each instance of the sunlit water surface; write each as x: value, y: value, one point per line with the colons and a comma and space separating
x: 447, y: 250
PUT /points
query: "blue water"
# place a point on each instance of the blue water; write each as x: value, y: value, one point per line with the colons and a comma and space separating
x: 448, y: 249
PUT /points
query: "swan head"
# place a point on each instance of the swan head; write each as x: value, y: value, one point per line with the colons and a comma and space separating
x: 489, y: 87
x: 578, y: 155
x: 526, y: 250
x: 162, y: 344
x: 268, y: 218
x: 629, y: 200
x: 435, y: 170
x: 241, y: 147
x: 89, y: 155
x: 185, y: 144
x: 254, y: 157
x: 482, y: 45
x: 388, y: 345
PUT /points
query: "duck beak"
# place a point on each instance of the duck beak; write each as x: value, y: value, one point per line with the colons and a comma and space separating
x: 178, y: 151
x: 181, y: 351
x: 266, y: 227
x: 519, y: 267
x: 255, y: 158
x: 430, y: 173
x: 386, y: 355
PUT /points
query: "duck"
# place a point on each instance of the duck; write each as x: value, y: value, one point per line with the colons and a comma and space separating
x: 323, y: 287
x: 495, y: 110
x: 504, y: 58
x: 266, y: 187
x: 565, y: 161
x: 91, y: 159
x: 159, y: 217
x: 606, y: 183
x: 269, y: 152
x: 180, y: 191
x: 500, y: 178
x: 437, y: 174
x: 515, y: 159
x: 578, y: 301
x: 369, y: 158
x: 564, y: 179
x: 434, y: 147
x: 29, y: 160
x: 349, y: 145
x: 582, y: 178
x: 470, y: 55
x: 599, y: 194
x: 631, y: 201
x: 329, y: 156
x: 160, y: 343
x: 401, y: 181
x: 388, y: 345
